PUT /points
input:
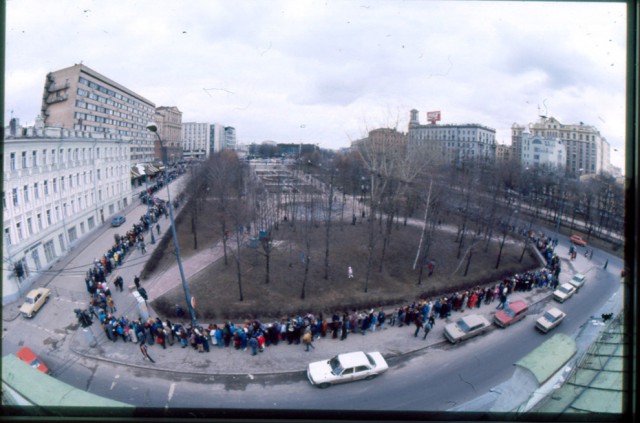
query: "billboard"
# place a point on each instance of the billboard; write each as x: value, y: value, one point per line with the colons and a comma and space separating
x: 433, y: 117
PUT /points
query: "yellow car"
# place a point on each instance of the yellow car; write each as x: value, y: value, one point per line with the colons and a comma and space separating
x: 34, y: 301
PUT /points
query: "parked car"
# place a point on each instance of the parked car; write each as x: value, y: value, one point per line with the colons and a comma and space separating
x: 550, y: 319
x: 512, y: 313
x: 34, y: 301
x: 577, y: 239
x: 346, y: 368
x: 578, y: 280
x: 25, y: 354
x: 465, y: 328
x: 118, y: 220
x: 564, y: 292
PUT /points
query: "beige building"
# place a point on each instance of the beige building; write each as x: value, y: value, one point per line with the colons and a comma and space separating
x: 451, y: 143
x: 169, y: 121
x: 587, y: 151
x: 81, y: 99
x: 383, y: 141
x: 504, y: 153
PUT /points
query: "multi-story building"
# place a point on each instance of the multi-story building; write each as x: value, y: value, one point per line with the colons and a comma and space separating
x: 451, y: 143
x: 169, y: 121
x: 195, y: 140
x: 229, y: 138
x: 587, y: 151
x: 504, y: 153
x: 81, y: 99
x: 385, y: 141
x: 538, y: 151
x: 217, y: 137
x: 59, y: 185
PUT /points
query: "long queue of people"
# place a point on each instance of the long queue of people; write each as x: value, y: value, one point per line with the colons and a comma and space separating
x: 255, y: 336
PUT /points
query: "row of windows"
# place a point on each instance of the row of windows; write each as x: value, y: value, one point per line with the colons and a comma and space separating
x: 116, y: 95
x: 44, y: 156
x: 43, y: 189
x: 28, y: 227
x: 90, y: 106
x: 107, y: 110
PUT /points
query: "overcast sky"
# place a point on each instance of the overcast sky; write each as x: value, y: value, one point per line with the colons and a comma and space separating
x: 326, y: 72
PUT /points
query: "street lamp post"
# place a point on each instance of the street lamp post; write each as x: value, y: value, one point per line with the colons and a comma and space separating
x: 151, y: 126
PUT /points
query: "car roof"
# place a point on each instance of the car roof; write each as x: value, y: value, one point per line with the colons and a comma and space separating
x: 353, y: 359
x: 567, y: 285
x: 579, y: 276
x: 34, y: 292
x: 25, y: 354
x: 555, y: 312
x: 473, y: 319
x: 518, y: 306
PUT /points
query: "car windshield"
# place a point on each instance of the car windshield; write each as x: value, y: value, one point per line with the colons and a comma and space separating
x: 550, y: 317
x: 509, y: 312
x: 565, y: 290
x: 463, y: 326
x: 29, y: 301
x: 336, y: 368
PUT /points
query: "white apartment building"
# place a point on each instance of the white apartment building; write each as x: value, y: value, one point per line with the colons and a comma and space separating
x: 230, y: 138
x: 451, y: 143
x: 543, y: 152
x: 82, y: 99
x: 195, y: 140
x: 59, y: 185
x: 587, y: 151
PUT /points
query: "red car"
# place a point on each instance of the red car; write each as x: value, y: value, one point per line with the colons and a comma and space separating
x: 513, y: 312
x: 577, y: 239
x: 29, y: 357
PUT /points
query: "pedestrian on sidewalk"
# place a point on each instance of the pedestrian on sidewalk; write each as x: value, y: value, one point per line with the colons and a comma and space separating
x: 143, y: 247
x: 253, y: 343
x: 306, y: 340
x: 111, y: 305
x: 606, y: 263
x: 158, y: 228
x: 428, y: 326
x: 418, y: 322
x: 350, y: 272
x: 136, y: 280
x: 145, y: 353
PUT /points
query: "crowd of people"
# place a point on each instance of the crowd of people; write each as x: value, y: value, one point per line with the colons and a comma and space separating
x: 255, y: 336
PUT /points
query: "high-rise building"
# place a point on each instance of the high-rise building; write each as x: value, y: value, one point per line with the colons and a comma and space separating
x: 195, y: 140
x: 450, y: 143
x: 217, y: 137
x: 587, y: 151
x: 169, y: 121
x: 81, y: 99
x: 59, y: 185
x: 230, y: 138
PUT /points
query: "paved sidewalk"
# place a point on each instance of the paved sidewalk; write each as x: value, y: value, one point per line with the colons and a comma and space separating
x: 392, y: 341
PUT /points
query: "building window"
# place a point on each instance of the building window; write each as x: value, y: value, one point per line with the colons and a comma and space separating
x: 44, y: 156
x: 98, y: 174
x: 34, y: 158
x: 7, y: 236
x: 29, y: 226
x: 53, y: 156
x: 49, y: 217
x: 24, y: 159
x: 19, y: 230
x: 70, y: 181
x: 62, y: 186
x: 14, y: 193
x: 49, y: 251
x: 36, y: 191
x: 39, y: 217
x: 46, y: 188
x: 13, y: 161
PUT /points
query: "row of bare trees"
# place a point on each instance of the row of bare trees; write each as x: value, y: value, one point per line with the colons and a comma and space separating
x: 387, y: 187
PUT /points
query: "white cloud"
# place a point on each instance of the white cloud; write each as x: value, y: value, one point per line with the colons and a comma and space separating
x: 337, y: 68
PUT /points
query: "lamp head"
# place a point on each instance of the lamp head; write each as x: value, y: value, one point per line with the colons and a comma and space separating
x: 151, y: 126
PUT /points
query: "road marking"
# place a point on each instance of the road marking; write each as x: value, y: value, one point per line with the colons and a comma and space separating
x: 171, y: 390
x: 113, y: 384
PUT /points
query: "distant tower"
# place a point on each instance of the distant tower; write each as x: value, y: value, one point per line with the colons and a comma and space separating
x: 414, y: 121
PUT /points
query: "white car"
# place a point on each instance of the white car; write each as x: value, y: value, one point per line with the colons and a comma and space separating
x: 564, y: 292
x: 346, y: 368
x: 550, y: 319
x: 465, y: 328
x: 578, y: 280
x: 36, y: 298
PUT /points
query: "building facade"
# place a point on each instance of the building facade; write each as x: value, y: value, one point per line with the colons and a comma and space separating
x: 543, y: 152
x: 59, y: 186
x: 504, y: 153
x: 587, y: 151
x: 382, y: 141
x: 195, y: 140
x: 79, y: 98
x: 451, y: 143
x: 217, y: 137
x: 169, y: 121
x: 229, y: 138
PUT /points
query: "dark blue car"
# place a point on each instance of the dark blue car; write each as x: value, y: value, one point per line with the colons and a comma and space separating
x: 118, y: 220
